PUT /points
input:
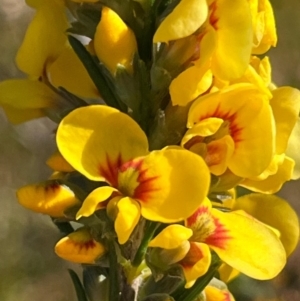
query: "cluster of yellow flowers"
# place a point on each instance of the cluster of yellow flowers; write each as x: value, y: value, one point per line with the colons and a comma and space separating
x: 164, y: 113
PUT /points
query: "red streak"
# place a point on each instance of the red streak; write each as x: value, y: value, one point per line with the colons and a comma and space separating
x: 234, y: 129
x: 220, y: 236
x: 193, y: 218
x: 110, y: 170
x: 213, y: 19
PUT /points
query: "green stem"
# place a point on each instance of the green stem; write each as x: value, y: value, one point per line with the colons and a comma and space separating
x: 114, y: 287
x: 140, y: 254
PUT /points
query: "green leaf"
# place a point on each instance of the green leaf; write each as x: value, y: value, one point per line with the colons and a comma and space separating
x: 80, y: 292
x: 104, y: 86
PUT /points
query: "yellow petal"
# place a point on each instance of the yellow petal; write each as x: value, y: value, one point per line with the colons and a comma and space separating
x: 286, y: 106
x: 234, y: 35
x: 203, y: 128
x: 264, y: 28
x: 246, y: 111
x: 95, y: 200
x: 45, y: 38
x: 50, y: 198
x: 293, y: 149
x: 26, y: 94
x: 171, y: 237
x: 164, y: 190
x: 249, y: 246
x: 17, y: 116
x: 272, y: 183
x: 190, y: 84
x: 114, y: 41
x: 218, y: 154
x: 274, y: 211
x: 227, y: 273
x: 127, y: 218
x: 79, y: 247
x: 196, y: 263
x: 216, y: 294
x: 87, y: 139
x: 58, y: 163
x: 68, y: 72
x: 183, y: 21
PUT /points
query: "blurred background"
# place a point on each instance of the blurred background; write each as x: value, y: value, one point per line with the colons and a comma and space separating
x: 29, y: 269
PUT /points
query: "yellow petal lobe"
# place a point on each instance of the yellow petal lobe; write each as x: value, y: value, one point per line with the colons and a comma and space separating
x: 171, y: 237
x: 79, y: 247
x: 50, y: 198
x: 114, y: 41
x: 87, y: 139
x: 127, y: 218
x: 184, y: 20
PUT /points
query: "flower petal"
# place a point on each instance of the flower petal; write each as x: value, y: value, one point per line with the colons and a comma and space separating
x: 250, y: 123
x: 114, y: 41
x: 293, y: 149
x: 45, y: 38
x: 264, y: 261
x: 286, y: 106
x: 184, y: 20
x: 272, y: 183
x: 274, y: 211
x: 58, y: 163
x: 49, y: 198
x: 196, y: 263
x: 234, y: 30
x: 215, y: 294
x: 94, y: 200
x: 163, y: 188
x: 67, y: 71
x: 127, y: 218
x: 87, y: 139
x: 79, y: 247
x: 171, y: 237
x: 26, y: 94
x: 190, y: 84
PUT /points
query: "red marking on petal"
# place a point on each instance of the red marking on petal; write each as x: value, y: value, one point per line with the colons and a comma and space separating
x: 213, y: 19
x: 219, y: 237
x: 110, y: 171
x: 227, y: 296
x: 234, y: 129
x: 194, y: 218
x: 145, y: 184
x: 53, y: 186
x: 192, y: 257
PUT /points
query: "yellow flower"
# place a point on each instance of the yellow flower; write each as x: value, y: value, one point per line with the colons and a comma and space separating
x: 285, y: 105
x: 275, y: 212
x: 80, y: 247
x: 23, y: 99
x: 216, y: 294
x: 263, y: 22
x: 224, y: 32
x: 47, y: 59
x: 114, y: 41
x: 232, y: 128
x: 153, y: 184
x: 49, y: 198
x: 239, y: 240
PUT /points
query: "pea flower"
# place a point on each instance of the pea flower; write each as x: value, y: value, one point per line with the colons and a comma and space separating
x: 224, y: 32
x: 104, y: 144
x: 48, y: 60
x: 80, y: 247
x: 232, y: 236
x: 228, y: 128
